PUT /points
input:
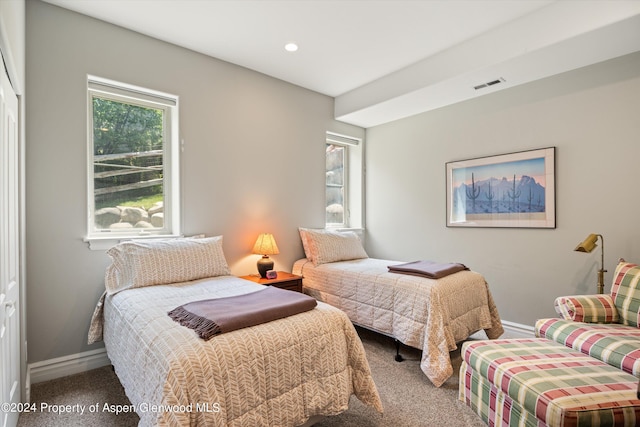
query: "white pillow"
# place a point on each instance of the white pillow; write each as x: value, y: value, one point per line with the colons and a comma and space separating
x: 323, y: 246
x: 155, y: 262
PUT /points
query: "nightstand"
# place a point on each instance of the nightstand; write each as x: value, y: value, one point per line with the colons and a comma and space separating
x: 284, y: 280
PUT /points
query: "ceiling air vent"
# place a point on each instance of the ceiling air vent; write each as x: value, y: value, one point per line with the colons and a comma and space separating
x: 491, y: 83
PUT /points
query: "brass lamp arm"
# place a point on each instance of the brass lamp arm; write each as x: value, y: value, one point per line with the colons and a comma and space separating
x: 602, y: 270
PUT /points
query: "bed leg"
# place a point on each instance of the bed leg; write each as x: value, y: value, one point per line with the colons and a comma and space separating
x: 398, y: 357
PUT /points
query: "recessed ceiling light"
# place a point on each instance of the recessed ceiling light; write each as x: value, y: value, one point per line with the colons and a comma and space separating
x: 291, y: 47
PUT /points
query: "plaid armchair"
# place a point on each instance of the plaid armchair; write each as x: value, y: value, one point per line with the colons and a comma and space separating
x: 578, y: 372
x: 602, y: 326
x: 621, y: 306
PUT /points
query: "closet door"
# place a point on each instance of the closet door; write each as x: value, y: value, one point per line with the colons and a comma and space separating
x: 9, y: 254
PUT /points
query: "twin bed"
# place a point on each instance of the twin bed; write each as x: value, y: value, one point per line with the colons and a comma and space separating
x: 429, y: 314
x: 281, y: 373
x: 286, y: 372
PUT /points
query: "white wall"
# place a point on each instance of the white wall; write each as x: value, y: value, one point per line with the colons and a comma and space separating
x: 253, y: 160
x: 592, y: 116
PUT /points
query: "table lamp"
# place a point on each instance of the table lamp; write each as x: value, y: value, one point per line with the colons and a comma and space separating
x: 265, y: 246
x: 588, y: 245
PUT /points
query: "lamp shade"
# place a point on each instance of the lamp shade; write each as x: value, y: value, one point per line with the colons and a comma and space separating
x: 588, y: 244
x: 265, y: 245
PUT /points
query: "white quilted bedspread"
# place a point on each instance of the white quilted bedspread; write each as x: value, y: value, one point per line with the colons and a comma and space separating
x: 432, y: 315
x: 277, y: 374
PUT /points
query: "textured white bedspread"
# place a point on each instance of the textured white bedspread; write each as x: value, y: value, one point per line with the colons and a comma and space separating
x: 432, y: 315
x: 276, y: 374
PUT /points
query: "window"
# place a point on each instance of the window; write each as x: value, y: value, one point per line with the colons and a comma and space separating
x: 343, y: 186
x: 133, y: 161
x: 335, y: 191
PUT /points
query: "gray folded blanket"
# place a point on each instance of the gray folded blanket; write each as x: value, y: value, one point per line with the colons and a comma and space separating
x: 219, y: 315
x: 430, y: 269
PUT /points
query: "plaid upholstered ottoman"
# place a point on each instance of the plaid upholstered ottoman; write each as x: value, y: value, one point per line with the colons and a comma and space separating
x: 536, y: 382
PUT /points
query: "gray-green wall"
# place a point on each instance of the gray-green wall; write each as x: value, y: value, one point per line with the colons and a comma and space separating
x: 253, y: 160
x: 591, y: 116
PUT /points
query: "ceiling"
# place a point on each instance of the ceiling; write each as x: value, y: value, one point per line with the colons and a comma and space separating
x: 386, y: 59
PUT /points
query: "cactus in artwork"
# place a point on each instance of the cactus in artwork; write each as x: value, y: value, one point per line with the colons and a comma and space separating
x: 490, y: 196
x: 514, y: 194
x: 473, y: 192
x: 530, y: 197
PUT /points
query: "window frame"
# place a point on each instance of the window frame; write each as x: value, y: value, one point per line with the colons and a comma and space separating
x: 130, y: 94
x: 352, y: 192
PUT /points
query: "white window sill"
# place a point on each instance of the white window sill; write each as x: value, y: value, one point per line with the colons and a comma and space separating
x: 99, y: 243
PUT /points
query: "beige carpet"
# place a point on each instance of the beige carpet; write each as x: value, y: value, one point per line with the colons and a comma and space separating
x: 408, y: 397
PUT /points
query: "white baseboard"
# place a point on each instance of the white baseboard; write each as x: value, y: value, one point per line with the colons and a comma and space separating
x: 81, y: 362
x: 67, y: 365
x: 517, y: 330
x: 511, y: 330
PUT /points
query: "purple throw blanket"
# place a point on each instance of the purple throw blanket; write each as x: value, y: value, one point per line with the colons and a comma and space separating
x: 215, y: 316
x: 430, y: 269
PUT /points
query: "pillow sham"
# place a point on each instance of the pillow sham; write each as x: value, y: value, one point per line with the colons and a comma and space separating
x: 156, y: 262
x: 324, y: 246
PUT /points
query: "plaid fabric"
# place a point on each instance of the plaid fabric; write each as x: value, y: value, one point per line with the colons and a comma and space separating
x: 490, y: 403
x: 617, y: 345
x: 587, y: 308
x: 625, y: 292
x: 561, y: 387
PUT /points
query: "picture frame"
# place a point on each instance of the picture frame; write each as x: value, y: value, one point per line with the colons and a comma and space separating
x: 514, y: 190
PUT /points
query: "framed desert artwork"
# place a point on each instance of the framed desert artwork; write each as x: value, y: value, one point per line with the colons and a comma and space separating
x: 507, y: 190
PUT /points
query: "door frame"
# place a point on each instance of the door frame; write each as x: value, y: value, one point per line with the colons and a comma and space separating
x: 18, y: 84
